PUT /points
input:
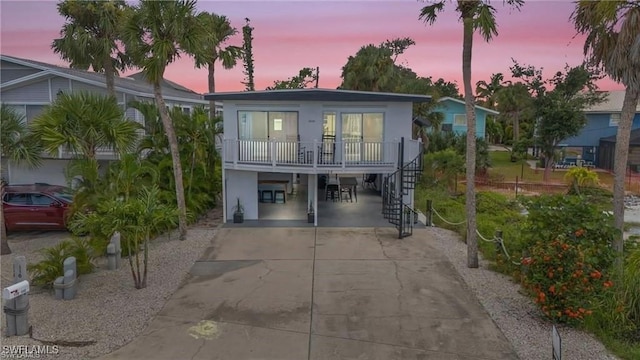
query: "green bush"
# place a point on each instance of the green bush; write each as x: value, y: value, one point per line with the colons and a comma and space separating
x: 46, y: 271
x: 567, y: 276
x: 567, y: 270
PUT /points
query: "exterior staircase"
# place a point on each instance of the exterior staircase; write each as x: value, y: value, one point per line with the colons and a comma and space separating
x: 395, y: 186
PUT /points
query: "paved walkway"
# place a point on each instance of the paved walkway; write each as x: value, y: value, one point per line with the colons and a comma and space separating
x: 326, y: 293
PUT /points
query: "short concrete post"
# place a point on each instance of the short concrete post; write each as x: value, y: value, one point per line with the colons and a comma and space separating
x: 58, y: 285
x: 111, y: 257
x: 16, y: 308
x: 115, y: 240
x: 70, y: 285
x: 70, y: 275
x: 429, y: 213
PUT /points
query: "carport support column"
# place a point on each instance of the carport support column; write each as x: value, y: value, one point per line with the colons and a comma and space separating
x: 312, y: 195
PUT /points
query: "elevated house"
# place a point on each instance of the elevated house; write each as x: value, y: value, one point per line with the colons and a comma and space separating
x: 596, y: 141
x: 29, y: 86
x: 276, y: 139
x: 455, y: 116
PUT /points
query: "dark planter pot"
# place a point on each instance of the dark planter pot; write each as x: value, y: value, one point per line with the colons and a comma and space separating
x: 310, y: 218
x: 238, y: 218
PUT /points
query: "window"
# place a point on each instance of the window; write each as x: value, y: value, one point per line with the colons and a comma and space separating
x: 20, y: 110
x: 41, y: 200
x: 17, y: 199
x: 268, y: 125
x: 614, y: 119
x: 329, y: 124
x: 460, y: 119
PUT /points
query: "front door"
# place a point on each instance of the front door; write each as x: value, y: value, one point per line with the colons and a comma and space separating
x: 363, y: 136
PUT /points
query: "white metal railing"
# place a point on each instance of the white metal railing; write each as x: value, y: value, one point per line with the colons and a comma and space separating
x: 313, y: 154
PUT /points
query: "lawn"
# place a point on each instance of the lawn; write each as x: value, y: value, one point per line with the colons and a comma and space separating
x: 501, y: 165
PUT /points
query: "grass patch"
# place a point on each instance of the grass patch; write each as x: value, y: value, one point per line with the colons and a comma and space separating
x: 501, y: 165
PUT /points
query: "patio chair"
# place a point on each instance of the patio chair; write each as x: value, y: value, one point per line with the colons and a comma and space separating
x: 369, y: 181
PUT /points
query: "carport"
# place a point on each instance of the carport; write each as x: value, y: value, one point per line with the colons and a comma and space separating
x: 365, y: 212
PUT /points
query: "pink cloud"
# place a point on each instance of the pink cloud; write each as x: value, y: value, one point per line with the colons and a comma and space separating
x: 291, y: 35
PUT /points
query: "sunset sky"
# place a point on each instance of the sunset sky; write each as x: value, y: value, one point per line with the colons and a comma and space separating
x: 290, y: 35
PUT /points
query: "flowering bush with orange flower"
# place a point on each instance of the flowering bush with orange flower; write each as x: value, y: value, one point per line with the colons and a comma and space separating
x: 569, y: 256
x: 566, y: 275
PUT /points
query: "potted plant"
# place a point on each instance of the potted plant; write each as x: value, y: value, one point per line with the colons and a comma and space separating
x: 310, y: 214
x: 238, y: 213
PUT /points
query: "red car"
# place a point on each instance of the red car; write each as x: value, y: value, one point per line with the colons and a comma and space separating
x: 36, y: 207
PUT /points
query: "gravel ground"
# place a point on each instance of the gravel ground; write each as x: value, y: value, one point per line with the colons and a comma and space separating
x: 514, y: 313
x: 108, y: 311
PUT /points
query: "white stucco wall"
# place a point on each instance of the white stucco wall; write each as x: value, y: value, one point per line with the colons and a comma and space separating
x: 50, y: 172
x: 397, y: 116
x: 243, y: 185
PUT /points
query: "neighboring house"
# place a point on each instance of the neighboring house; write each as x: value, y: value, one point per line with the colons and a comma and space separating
x: 455, y: 116
x: 596, y: 140
x: 28, y: 86
x: 273, y: 137
x: 607, y: 150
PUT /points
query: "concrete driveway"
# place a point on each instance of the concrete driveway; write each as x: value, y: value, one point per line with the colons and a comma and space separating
x: 325, y: 293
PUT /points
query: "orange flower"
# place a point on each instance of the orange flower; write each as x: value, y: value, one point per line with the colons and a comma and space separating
x: 608, y: 284
x: 565, y: 246
x: 596, y: 274
x: 579, y: 232
x: 550, y: 274
x: 552, y: 289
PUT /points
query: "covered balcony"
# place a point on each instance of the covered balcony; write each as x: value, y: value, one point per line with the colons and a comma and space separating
x: 308, y: 156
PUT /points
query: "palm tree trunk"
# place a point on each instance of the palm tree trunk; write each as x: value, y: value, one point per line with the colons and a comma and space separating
x: 212, y: 87
x: 146, y: 261
x: 175, y: 157
x: 470, y: 204
x: 516, y: 128
x: 4, y: 248
x: 109, y: 74
x: 620, y: 165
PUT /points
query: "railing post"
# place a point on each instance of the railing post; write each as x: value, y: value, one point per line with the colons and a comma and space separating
x: 273, y: 153
x: 401, y: 193
x: 429, y: 212
x: 235, y: 144
x: 315, y: 154
x: 343, y: 152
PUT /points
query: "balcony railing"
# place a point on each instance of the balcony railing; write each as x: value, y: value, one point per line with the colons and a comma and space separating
x: 311, y: 154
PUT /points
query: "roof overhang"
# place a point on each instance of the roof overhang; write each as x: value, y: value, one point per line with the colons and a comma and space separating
x: 319, y: 95
x: 49, y: 72
x: 447, y: 98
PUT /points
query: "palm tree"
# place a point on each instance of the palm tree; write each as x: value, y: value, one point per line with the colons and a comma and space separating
x: 515, y: 104
x: 613, y: 43
x: 16, y: 146
x: 90, y: 37
x: 475, y: 14
x: 83, y: 123
x: 220, y: 30
x: 155, y: 34
x: 486, y: 92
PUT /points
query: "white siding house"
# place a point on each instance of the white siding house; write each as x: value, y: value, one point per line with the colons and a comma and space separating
x: 29, y: 86
x: 280, y: 134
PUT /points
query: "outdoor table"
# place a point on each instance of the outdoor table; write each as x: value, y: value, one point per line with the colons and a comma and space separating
x: 351, y: 182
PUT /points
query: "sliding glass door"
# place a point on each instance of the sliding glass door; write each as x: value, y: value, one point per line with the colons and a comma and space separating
x: 256, y: 130
x: 363, y: 136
